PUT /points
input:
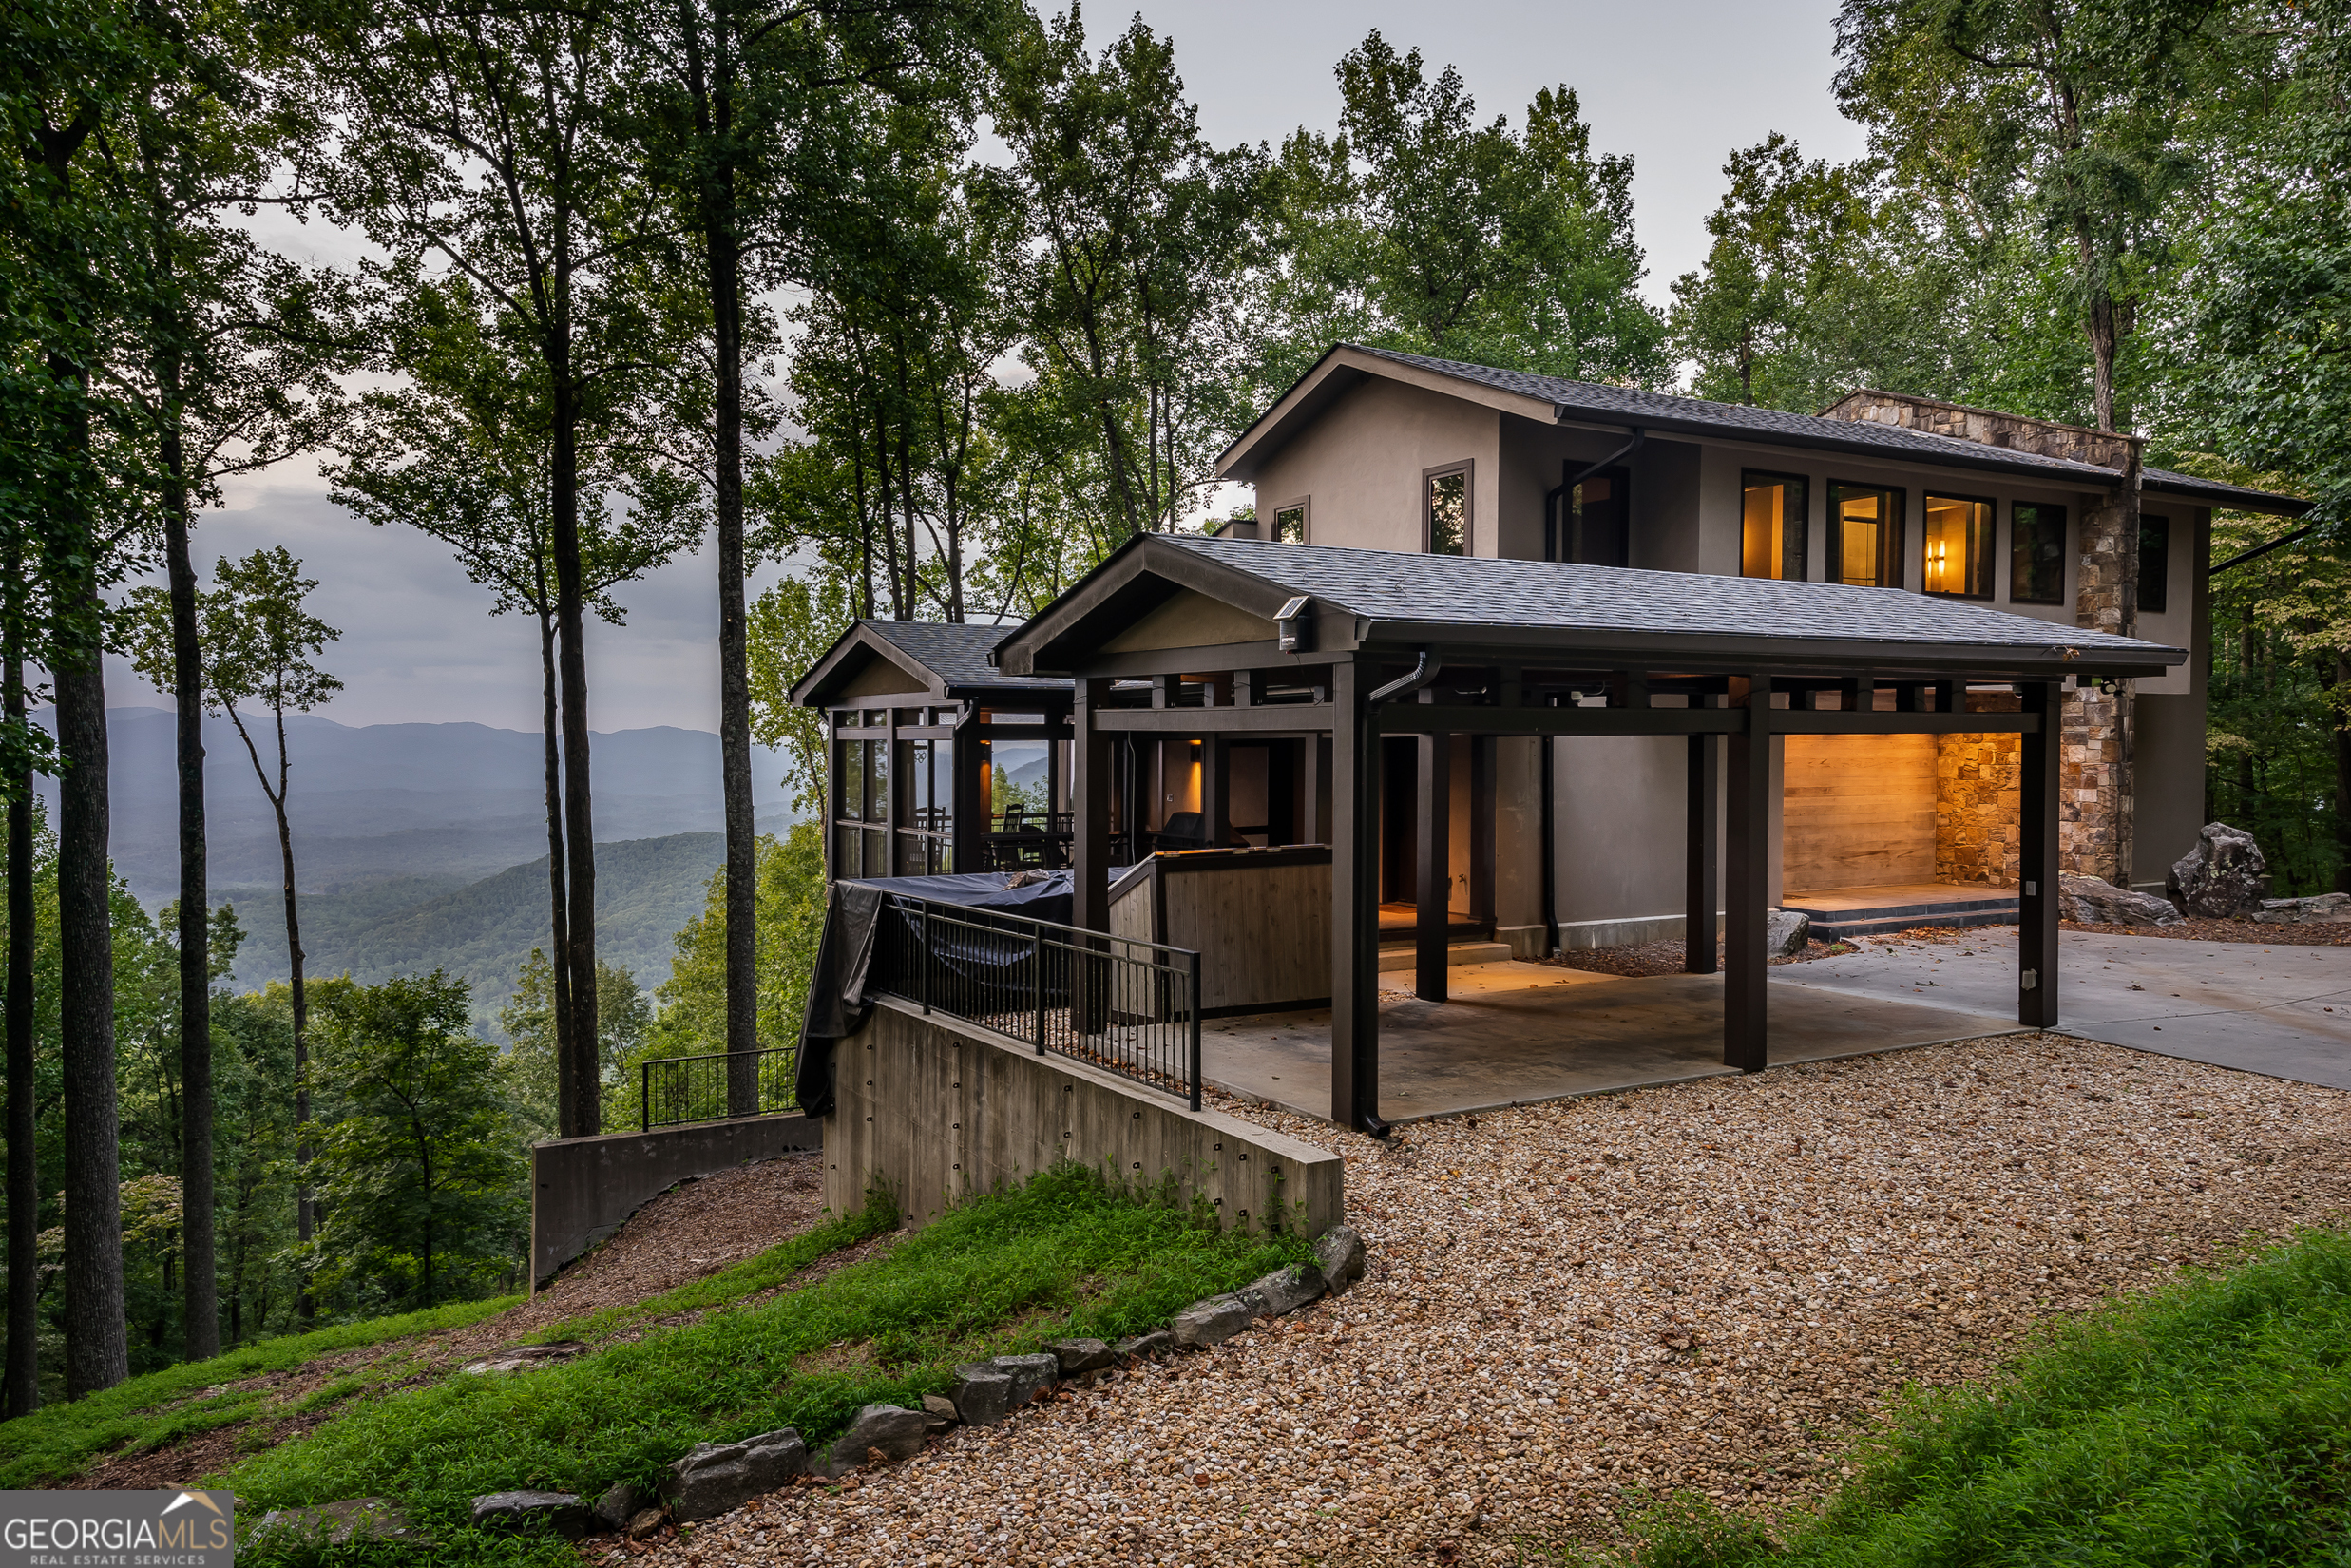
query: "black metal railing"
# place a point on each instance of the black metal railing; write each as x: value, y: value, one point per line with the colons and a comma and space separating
x: 1121, y: 1003
x: 674, y: 1090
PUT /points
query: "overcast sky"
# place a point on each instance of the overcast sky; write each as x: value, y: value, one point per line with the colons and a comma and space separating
x: 1677, y: 84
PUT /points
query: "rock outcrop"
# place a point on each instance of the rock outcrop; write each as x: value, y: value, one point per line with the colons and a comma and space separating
x: 2094, y: 901
x: 2224, y: 877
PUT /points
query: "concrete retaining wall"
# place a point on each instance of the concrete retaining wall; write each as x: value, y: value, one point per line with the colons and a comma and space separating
x: 582, y: 1188
x: 940, y: 1109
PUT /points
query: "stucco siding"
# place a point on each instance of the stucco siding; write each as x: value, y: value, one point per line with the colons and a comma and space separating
x: 1361, y: 462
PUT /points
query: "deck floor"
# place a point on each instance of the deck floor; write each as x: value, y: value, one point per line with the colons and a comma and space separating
x: 1516, y: 1033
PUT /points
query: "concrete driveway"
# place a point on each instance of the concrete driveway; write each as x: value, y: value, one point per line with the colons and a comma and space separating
x: 2282, y: 1011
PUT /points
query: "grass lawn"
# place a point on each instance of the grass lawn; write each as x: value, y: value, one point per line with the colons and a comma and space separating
x: 1062, y: 1255
x: 2208, y: 1424
x: 176, y: 1402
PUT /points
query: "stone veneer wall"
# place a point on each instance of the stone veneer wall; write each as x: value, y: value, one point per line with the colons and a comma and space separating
x: 1979, y: 785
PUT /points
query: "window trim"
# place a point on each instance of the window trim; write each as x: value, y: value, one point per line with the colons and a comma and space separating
x: 1467, y: 469
x: 1926, y: 499
x: 1304, y: 506
x: 1893, y: 561
x: 1803, y: 524
x: 2064, y: 546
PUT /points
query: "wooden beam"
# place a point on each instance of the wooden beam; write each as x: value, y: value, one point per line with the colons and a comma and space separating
x: 1426, y: 719
x: 1260, y: 720
x: 1435, y: 872
x: 1702, y: 856
x: 2038, y: 904
x: 1747, y: 883
x: 1354, y: 907
x: 1803, y: 722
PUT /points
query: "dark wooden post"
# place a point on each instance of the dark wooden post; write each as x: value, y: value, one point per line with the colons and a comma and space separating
x: 2036, y: 837
x: 1355, y: 904
x: 894, y: 786
x: 1746, y: 884
x: 1089, y: 852
x: 1316, y: 758
x: 1482, y: 810
x: 1215, y: 790
x: 968, y: 806
x: 1434, y: 872
x: 1702, y: 861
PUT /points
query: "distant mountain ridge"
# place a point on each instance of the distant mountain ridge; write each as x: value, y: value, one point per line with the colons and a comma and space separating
x: 457, y: 801
x: 645, y: 889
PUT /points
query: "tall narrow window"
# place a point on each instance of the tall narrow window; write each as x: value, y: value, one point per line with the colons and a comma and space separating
x: 2037, y: 553
x: 1447, y: 510
x: 1865, y: 536
x: 2154, y: 563
x: 1959, y: 547
x: 1289, y: 523
x: 1771, y: 525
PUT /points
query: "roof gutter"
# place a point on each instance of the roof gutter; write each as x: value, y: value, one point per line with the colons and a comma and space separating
x: 2259, y: 551
x: 1423, y: 673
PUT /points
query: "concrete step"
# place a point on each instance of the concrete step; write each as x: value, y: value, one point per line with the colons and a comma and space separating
x: 1402, y: 957
x: 1848, y: 923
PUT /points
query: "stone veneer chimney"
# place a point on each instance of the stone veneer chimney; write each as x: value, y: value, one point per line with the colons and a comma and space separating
x: 2098, y: 787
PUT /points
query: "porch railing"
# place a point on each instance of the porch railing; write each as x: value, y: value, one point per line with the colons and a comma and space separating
x: 672, y: 1091
x: 1119, y: 1003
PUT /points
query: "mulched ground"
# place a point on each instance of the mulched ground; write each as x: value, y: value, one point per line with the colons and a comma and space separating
x: 2231, y: 931
x: 1576, y: 1305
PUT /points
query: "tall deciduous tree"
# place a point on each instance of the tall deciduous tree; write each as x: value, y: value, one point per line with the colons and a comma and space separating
x: 481, y: 141
x: 259, y: 646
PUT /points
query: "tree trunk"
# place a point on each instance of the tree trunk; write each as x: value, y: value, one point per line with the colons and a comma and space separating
x: 304, y: 1215
x: 559, y: 920
x: 734, y: 661
x: 2342, y: 772
x: 97, y: 1353
x: 21, y: 1385
x: 202, y: 1325
x: 578, y: 831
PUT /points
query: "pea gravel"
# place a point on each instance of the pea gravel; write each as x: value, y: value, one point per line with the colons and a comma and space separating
x: 1575, y: 1307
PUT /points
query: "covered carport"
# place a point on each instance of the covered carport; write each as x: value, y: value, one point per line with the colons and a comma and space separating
x: 1363, y: 644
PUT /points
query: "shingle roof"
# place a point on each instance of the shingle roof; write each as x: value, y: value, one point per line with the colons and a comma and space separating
x: 1477, y: 591
x: 957, y: 653
x: 1630, y: 405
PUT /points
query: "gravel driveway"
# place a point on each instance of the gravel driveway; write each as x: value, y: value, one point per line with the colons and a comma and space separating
x: 1575, y: 1305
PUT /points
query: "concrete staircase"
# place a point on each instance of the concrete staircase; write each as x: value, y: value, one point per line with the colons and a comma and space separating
x: 1849, y: 912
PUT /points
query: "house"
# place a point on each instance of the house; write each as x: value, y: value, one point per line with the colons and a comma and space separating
x: 1383, y: 451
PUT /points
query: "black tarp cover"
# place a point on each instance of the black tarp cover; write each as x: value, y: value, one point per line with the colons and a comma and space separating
x: 836, y: 993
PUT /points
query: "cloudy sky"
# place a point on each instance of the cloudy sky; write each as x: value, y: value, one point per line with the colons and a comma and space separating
x: 1677, y: 84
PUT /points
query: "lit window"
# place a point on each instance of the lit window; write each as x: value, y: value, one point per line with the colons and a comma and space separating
x: 1290, y: 523
x: 1771, y: 525
x: 2154, y: 563
x: 1864, y: 535
x: 1448, y: 513
x: 1959, y: 547
x: 2036, y: 554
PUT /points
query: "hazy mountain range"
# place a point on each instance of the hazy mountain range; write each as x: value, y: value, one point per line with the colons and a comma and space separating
x: 424, y: 844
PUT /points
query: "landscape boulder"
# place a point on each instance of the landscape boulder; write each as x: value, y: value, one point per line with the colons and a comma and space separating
x: 336, y: 1523
x: 2224, y: 877
x: 1339, y: 1252
x: 1210, y: 1322
x: 1031, y: 1375
x: 1079, y: 1355
x: 889, y: 1431
x: 2094, y: 901
x: 1158, y: 1342
x: 983, y: 1393
x: 521, y: 1358
x: 718, y: 1477
x: 564, y: 1511
x: 623, y: 1501
x: 939, y: 1412
x: 1786, y: 932
x: 2318, y: 909
x: 1282, y: 1290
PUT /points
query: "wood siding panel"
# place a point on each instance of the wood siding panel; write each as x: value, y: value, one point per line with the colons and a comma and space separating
x: 1263, y: 933
x: 1859, y: 810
